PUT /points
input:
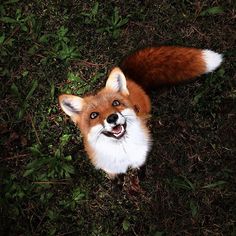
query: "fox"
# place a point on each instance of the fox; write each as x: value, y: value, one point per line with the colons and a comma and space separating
x: 113, y: 120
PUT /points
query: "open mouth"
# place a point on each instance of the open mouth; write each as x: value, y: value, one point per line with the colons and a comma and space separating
x: 117, y: 132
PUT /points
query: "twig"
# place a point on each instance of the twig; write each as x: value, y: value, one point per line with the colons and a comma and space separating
x: 50, y: 182
x: 41, y: 220
x: 15, y: 157
x: 14, y: 31
x: 87, y: 63
x: 71, y: 232
x: 35, y: 131
x: 194, y: 28
x: 142, y: 25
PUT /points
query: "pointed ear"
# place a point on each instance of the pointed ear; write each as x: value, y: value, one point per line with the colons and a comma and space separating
x: 70, y: 104
x: 117, y: 81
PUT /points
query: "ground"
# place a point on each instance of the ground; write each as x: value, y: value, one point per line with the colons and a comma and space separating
x: 48, y: 186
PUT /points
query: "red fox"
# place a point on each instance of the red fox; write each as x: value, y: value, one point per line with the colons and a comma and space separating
x: 113, y: 121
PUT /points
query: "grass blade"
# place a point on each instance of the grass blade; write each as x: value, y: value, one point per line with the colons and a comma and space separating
x: 33, y: 87
x: 215, y: 184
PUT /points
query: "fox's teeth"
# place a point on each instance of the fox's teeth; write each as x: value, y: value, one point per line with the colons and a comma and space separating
x: 118, y: 130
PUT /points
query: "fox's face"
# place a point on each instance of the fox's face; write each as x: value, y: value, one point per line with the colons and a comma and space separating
x: 107, y: 111
x: 110, y: 125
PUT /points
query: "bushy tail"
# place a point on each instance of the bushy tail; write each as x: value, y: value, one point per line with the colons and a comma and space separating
x: 155, y: 66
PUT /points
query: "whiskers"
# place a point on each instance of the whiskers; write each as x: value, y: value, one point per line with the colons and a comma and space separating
x: 97, y: 133
x: 129, y: 117
x: 132, y: 116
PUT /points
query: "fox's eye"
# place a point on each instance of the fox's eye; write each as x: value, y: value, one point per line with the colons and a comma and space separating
x: 94, y: 115
x: 115, y: 103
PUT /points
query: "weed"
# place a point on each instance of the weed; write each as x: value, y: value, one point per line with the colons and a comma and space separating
x: 212, y: 11
x: 182, y: 183
x: 46, y: 167
x: 91, y: 17
x: 19, y: 20
x: 72, y: 202
x: 126, y: 225
x: 194, y: 208
x: 114, y: 24
x: 78, y: 86
x: 15, y: 27
x: 62, y: 47
x: 23, y: 102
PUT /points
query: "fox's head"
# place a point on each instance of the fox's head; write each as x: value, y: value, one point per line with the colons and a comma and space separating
x: 112, y: 121
x: 109, y: 110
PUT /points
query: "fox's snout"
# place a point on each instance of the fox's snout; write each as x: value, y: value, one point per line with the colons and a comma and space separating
x: 113, y: 119
x: 114, y: 125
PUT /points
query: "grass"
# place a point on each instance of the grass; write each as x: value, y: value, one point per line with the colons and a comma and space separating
x: 48, y: 186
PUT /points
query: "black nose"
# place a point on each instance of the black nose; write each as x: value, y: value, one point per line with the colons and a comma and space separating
x: 112, y: 118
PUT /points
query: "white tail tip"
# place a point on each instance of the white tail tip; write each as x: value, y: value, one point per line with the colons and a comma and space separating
x: 212, y: 60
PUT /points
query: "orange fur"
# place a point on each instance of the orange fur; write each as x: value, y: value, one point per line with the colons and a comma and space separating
x: 163, y: 66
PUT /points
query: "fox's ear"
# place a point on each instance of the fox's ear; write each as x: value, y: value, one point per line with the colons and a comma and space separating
x: 117, y: 81
x: 70, y: 104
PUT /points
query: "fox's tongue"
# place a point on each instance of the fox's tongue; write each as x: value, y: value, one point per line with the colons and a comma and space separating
x: 117, y: 129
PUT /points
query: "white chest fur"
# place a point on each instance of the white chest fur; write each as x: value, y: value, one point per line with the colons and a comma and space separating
x: 117, y: 155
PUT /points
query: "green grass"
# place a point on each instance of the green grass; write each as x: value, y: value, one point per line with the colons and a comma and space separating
x: 48, y: 186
